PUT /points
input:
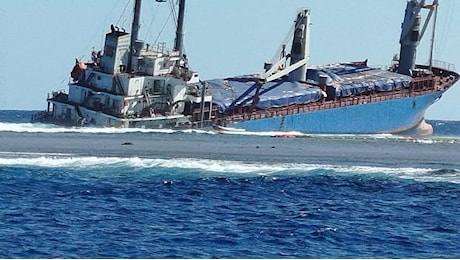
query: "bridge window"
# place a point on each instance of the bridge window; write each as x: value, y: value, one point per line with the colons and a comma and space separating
x: 158, y: 86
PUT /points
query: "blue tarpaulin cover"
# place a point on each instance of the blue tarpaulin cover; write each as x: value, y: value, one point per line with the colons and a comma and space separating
x: 353, y: 79
x: 230, y: 93
x: 347, y: 79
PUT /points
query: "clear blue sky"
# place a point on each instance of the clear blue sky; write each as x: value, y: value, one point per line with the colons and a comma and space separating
x: 41, y: 39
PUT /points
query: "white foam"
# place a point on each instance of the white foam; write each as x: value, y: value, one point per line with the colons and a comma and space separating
x: 220, y: 166
x: 49, y: 128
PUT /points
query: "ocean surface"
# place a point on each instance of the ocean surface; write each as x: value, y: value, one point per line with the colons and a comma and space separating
x: 137, y: 193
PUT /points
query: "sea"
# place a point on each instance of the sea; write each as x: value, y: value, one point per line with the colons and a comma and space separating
x: 140, y: 193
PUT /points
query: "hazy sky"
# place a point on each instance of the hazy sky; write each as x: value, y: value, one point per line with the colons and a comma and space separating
x: 41, y: 39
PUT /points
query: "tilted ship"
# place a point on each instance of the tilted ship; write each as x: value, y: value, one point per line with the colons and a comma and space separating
x: 132, y: 84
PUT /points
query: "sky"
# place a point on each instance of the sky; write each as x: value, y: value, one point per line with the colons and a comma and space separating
x: 41, y: 39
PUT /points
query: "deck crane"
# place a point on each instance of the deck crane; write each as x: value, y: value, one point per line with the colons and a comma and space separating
x: 411, y: 34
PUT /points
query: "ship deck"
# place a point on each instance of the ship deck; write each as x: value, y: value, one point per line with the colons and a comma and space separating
x: 441, y: 80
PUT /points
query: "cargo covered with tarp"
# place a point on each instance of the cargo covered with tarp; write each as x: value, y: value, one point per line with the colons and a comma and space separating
x: 354, y: 79
x: 240, y: 92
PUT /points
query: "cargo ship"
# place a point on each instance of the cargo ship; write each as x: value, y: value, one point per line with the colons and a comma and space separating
x: 132, y: 84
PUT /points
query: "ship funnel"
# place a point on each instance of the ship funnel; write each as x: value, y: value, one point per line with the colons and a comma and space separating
x: 300, y: 50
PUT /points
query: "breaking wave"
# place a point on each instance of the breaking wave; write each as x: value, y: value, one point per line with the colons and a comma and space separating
x: 49, y: 128
x: 233, y: 168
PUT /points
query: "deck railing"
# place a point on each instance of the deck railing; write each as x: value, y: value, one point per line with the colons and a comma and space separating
x: 419, y: 86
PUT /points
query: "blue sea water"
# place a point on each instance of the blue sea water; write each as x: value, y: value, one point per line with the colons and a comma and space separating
x: 124, y: 193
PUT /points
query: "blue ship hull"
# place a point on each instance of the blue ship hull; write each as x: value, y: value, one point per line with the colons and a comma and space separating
x: 391, y: 116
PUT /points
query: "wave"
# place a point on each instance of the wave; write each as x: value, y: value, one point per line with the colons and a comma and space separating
x: 49, y: 128
x: 223, y: 166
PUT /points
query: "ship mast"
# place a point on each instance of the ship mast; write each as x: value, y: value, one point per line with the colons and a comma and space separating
x: 134, y: 33
x: 178, y: 44
x: 433, y: 33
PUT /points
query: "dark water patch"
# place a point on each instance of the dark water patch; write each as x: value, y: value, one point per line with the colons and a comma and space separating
x: 446, y: 229
x: 445, y: 127
x: 445, y: 172
x: 16, y: 116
